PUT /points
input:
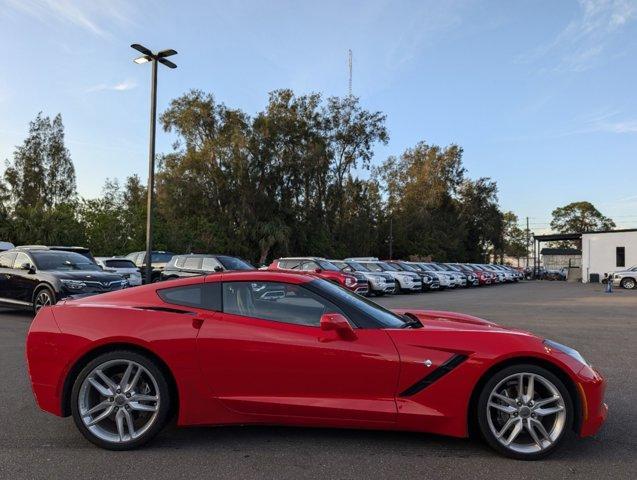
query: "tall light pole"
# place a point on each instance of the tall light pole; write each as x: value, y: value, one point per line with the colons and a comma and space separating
x: 148, y: 56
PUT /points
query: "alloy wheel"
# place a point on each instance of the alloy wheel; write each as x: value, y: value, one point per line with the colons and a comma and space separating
x: 526, y: 413
x: 628, y: 283
x: 42, y: 299
x: 119, y: 401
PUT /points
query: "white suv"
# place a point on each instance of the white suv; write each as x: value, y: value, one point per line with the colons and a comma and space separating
x: 405, y: 281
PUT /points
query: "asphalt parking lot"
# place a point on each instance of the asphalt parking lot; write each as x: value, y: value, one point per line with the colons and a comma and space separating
x: 602, y: 327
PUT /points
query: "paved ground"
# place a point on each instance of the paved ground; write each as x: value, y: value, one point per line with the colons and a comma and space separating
x: 603, y: 327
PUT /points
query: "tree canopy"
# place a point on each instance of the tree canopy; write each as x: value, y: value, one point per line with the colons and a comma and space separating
x: 298, y: 177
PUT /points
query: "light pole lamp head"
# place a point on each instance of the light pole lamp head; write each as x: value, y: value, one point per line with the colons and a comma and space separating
x: 148, y: 56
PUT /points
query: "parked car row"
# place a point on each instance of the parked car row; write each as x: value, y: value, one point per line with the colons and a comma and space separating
x: 371, y: 276
x: 34, y: 276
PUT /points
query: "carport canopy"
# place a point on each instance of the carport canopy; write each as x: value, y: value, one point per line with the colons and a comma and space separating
x: 553, y: 237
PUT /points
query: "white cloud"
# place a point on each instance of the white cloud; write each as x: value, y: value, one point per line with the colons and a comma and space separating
x: 118, y: 87
x: 581, y: 43
x: 94, y: 16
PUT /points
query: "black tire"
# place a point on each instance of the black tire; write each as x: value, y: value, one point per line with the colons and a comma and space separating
x: 162, y: 412
x: 38, y: 302
x: 397, y: 288
x: 482, y: 412
x: 628, y: 283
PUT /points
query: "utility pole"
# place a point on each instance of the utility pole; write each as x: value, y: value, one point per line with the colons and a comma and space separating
x: 391, y: 237
x: 527, y: 242
x: 350, y: 72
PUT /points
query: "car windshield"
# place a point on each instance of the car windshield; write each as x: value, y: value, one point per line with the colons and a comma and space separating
x: 234, y: 263
x: 373, y: 267
x: 59, y: 260
x: 325, y: 265
x: 435, y: 267
x: 384, y: 317
x: 454, y: 268
x: 119, y: 263
x: 161, y: 257
x: 357, y: 266
x: 387, y: 266
x: 407, y: 267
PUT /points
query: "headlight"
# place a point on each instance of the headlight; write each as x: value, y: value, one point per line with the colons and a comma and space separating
x: 551, y: 345
x: 73, y: 284
x: 350, y: 281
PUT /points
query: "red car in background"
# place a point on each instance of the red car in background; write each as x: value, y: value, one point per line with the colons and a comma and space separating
x: 324, y: 269
x: 266, y: 347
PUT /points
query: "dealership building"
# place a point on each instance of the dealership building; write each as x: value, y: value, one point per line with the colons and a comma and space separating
x: 602, y: 252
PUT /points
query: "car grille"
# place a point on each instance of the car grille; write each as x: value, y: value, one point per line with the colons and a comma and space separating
x: 95, y: 286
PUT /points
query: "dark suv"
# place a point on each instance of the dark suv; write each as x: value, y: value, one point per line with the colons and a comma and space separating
x: 33, y: 277
x: 159, y: 260
x: 202, y: 264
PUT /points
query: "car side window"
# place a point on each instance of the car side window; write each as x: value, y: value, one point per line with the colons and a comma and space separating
x: 210, y: 264
x: 6, y: 260
x: 21, y: 259
x: 309, y: 266
x: 206, y: 296
x: 289, y: 264
x: 278, y: 302
x: 192, y: 263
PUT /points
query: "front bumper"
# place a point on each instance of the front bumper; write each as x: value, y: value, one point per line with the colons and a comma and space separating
x: 591, y: 387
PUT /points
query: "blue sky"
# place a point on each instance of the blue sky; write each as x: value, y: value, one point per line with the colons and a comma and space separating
x: 541, y: 94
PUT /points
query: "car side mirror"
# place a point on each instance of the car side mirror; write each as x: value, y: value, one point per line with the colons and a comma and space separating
x: 218, y: 269
x: 28, y: 267
x: 318, y: 270
x: 337, y: 323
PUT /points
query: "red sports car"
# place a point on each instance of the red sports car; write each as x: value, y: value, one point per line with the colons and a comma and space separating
x: 263, y: 347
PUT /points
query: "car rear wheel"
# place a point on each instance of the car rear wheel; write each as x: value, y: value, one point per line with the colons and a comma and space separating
x: 628, y: 283
x: 43, y: 297
x: 524, y: 411
x: 120, y: 400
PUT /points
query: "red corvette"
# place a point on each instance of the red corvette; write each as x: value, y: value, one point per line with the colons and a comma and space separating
x: 279, y: 348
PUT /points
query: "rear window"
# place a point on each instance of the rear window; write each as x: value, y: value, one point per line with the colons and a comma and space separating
x: 206, y: 296
x: 119, y: 263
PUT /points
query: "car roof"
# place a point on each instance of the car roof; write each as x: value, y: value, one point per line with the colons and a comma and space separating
x: 263, y: 276
x: 203, y: 255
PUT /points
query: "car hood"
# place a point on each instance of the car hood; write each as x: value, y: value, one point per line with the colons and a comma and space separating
x: 442, y: 320
x: 86, y: 275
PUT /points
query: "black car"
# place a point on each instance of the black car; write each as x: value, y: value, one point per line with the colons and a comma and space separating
x: 202, y: 264
x: 159, y: 260
x: 32, y: 277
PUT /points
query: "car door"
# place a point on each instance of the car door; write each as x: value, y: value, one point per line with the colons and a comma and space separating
x: 6, y: 278
x: 266, y: 355
x: 23, y: 281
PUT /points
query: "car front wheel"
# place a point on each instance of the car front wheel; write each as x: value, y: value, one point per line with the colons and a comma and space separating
x: 120, y: 400
x: 524, y: 411
x: 44, y: 297
x: 628, y: 283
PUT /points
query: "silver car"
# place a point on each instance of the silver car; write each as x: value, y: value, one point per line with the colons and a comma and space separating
x: 626, y: 278
x: 379, y: 283
x: 122, y: 266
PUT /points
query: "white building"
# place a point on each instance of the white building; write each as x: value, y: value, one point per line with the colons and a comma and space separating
x: 605, y: 252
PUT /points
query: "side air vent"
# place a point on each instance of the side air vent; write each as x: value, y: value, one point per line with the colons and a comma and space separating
x: 438, y: 373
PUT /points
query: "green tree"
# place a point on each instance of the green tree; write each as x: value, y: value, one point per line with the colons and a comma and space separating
x: 42, y: 173
x: 580, y: 217
x: 421, y: 187
x: 483, y: 228
x: 515, y: 238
